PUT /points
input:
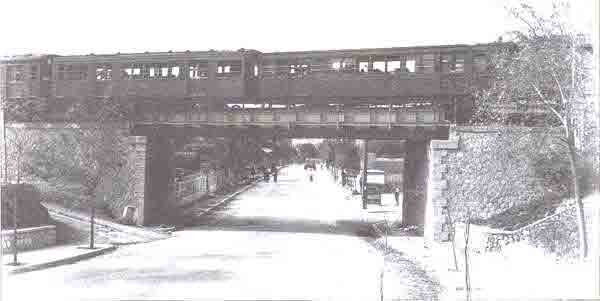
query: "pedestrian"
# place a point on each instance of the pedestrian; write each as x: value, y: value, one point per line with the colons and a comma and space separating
x: 397, y: 195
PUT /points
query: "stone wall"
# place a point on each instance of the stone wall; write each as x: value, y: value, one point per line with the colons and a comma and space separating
x: 556, y: 234
x: 29, y: 238
x: 436, y: 206
x: 480, y: 172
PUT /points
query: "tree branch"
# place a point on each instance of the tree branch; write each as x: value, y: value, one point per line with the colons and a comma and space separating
x: 539, y: 93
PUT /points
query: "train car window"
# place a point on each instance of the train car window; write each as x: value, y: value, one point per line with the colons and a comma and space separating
x: 299, y: 69
x: 458, y: 64
x: 152, y: 72
x: 378, y: 66
x: 103, y: 72
x: 164, y: 72
x: 394, y: 66
x: 198, y: 70
x: 336, y: 65
x: 255, y: 70
x: 227, y: 69
x: 363, y: 67
x: 132, y: 72
x: 411, y: 65
x: 175, y: 71
x: 347, y: 65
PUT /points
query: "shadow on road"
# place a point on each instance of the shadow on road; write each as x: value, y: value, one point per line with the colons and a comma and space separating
x: 273, y: 224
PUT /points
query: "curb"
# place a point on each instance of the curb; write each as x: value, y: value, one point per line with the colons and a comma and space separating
x: 227, y: 198
x: 62, y: 261
x: 132, y: 230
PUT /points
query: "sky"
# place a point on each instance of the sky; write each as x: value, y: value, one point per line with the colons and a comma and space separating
x: 81, y: 27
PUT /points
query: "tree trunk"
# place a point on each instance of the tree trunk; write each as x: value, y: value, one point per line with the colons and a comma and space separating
x: 467, y: 271
x: 577, y: 195
x: 452, y: 239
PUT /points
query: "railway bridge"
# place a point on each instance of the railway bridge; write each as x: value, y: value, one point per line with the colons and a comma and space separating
x: 411, y: 94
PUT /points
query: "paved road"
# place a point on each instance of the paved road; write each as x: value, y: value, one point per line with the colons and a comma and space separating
x: 288, y: 240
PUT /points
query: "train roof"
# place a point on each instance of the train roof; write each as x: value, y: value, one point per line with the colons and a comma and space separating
x: 211, y: 55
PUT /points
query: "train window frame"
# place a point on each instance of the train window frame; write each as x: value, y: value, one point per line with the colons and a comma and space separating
x: 198, y: 70
x: 364, y: 64
x: 411, y: 65
x: 104, y: 72
x: 390, y: 66
x: 336, y: 65
x: 456, y: 66
x: 229, y: 69
x: 376, y: 64
x: 176, y: 75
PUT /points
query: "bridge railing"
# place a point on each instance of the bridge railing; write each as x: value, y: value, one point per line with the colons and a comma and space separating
x: 306, y: 117
x: 191, y: 187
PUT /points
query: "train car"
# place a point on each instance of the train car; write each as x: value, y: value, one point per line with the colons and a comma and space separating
x: 400, y: 78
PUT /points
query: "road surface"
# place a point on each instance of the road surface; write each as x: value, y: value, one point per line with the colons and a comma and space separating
x: 288, y: 240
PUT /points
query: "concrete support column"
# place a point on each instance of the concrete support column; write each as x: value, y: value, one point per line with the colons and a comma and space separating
x: 159, y: 205
x: 436, y: 206
x: 139, y: 160
x: 415, y: 186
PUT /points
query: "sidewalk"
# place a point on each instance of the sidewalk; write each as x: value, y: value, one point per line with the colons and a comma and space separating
x: 114, y: 232
x: 50, y: 257
x: 204, y: 206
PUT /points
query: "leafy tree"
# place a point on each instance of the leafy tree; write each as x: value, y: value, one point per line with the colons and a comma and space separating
x: 89, y: 149
x: 545, y: 66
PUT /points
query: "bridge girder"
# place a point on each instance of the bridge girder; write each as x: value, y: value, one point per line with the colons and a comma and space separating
x: 380, y: 133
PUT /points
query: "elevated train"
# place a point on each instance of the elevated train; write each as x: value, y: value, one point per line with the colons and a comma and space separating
x: 383, y: 77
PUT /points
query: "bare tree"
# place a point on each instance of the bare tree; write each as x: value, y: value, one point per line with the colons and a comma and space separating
x: 544, y: 67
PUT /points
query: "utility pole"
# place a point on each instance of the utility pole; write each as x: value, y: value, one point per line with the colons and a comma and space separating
x: 364, y: 175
